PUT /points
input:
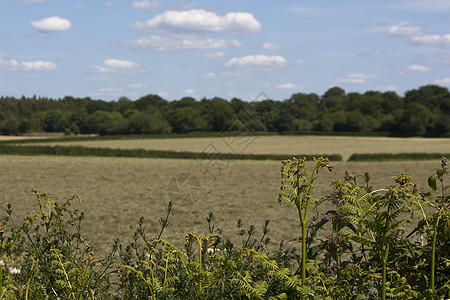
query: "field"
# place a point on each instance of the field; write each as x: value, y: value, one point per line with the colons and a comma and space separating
x: 116, y: 192
x: 289, y: 145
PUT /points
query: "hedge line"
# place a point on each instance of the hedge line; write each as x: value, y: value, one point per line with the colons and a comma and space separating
x: 6, y: 149
x: 396, y: 156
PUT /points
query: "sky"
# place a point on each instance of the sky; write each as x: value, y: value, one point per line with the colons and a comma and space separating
x: 111, y: 49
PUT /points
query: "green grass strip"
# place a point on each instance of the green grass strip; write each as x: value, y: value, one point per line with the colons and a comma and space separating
x: 6, y: 149
x: 396, y: 156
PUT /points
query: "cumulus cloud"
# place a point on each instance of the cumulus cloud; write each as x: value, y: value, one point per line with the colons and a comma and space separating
x: 257, y: 60
x: 37, y: 65
x: 111, y: 67
x: 213, y: 55
x: 288, y: 86
x: 432, y: 39
x: 164, y: 43
x: 113, y: 4
x: 269, y: 46
x: 163, y: 94
x: 189, y: 91
x: 202, y: 20
x: 445, y: 81
x: 146, y: 5
x: 418, y: 36
x: 418, y: 68
x: 404, y: 29
x: 356, y: 78
x: 137, y: 85
x: 117, y: 64
x: 52, y: 24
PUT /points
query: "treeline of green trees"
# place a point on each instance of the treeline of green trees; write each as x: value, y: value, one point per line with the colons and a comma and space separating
x: 420, y: 112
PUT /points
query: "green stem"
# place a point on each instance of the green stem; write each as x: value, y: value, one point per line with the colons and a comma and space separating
x: 1, y: 282
x: 304, y: 217
x: 433, y: 252
x: 383, y: 283
x: 386, y: 250
x: 303, y: 252
x: 200, y: 265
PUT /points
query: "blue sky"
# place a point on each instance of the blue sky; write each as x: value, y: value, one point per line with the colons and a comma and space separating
x: 109, y: 49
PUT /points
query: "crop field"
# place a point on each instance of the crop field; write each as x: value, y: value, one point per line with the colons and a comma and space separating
x: 289, y: 145
x: 116, y: 192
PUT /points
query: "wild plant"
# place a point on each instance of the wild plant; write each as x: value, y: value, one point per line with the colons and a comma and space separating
x: 440, y: 238
x: 57, y: 260
x: 296, y: 190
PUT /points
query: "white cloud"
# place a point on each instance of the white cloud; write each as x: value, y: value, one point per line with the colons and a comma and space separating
x: 404, y: 29
x: 111, y: 90
x: 271, y: 47
x: 52, y: 24
x: 432, y: 39
x: 137, y: 85
x: 213, y: 55
x: 202, y: 20
x: 445, y: 81
x: 418, y: 68
x: 111, y: 67
x: 356, y: 78
x: 146, y: 5
x: 210, y: 75
x: 257, y: 60
x: 113, y: 4
x: 164, y: 43
x: 189, y: 91
x: 37, y: 65
x: 116, y: 64
x: 289, y: 86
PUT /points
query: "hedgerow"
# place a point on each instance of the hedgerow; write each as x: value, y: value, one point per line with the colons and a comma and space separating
x: 359, y: 249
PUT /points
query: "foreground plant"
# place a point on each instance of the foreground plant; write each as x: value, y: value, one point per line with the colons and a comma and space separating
x: 296, y: 190
x: 57, y: 261
x: 441, y: 207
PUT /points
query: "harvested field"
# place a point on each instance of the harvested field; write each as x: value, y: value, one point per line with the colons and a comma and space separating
x: 116, y: 192
x: 289, y: 145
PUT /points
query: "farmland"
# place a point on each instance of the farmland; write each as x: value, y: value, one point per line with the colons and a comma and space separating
x: 116, y: 192
x: 289, y: 145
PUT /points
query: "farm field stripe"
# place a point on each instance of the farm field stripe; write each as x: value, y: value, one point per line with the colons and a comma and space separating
x: 396, y: 156
x: 141, y: 153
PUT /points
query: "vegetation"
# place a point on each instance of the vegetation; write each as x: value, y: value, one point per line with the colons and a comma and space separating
x: 394, y: 156
x: 366, y: 251
x: 421, y: 112
x: 108, y: 152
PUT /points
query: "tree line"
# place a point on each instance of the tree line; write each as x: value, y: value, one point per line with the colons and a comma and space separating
x: 420, y: 112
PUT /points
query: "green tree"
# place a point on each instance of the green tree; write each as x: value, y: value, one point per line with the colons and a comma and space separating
x: 220, y: 114
x: 52, y: 120
x: 186, y: 119
x: 334, y: 99
x: 303, y: 106
x: 415, y: 119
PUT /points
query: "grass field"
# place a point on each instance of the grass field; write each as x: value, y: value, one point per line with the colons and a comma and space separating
x: 116, y: 192
x: 289, y: 145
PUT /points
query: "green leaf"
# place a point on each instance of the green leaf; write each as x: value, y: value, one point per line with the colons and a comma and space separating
x: 432, y: 182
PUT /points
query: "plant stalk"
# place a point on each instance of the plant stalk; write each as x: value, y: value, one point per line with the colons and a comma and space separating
x: 433, y: 252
